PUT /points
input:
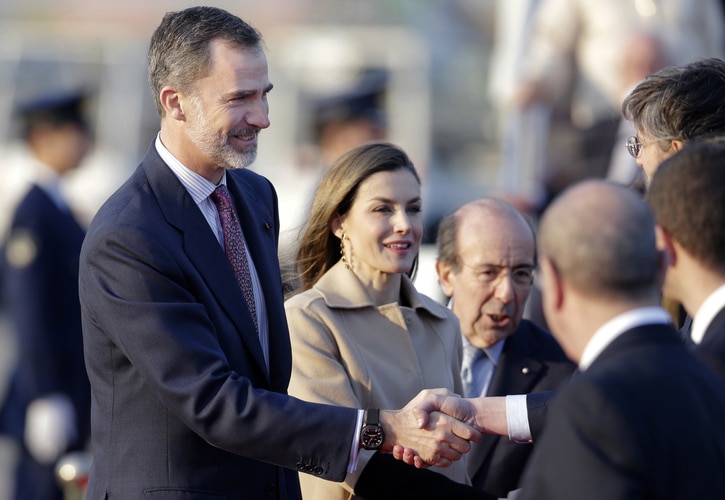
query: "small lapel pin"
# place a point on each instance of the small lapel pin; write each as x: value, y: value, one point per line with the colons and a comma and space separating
x: 525, y: 370
x: 267, y: 226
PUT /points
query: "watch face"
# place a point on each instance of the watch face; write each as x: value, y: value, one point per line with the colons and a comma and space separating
x: 372, y: 437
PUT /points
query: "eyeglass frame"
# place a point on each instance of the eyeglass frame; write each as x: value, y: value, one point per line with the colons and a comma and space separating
x: 500, y: 272
x: 634, y: 146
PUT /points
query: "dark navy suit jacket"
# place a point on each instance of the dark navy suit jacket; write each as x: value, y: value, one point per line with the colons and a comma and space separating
x: 183, y: 405
x: 41, y: 295
x: 643, y: 421
x: 531, y: 361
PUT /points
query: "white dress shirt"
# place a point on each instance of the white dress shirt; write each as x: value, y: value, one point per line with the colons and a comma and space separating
x: 516, y: 409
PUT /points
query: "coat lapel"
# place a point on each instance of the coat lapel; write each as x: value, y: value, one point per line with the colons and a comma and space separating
x: 256, y: 205
x: 202, y: 248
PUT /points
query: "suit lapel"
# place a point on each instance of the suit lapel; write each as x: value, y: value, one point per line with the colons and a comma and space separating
x: 260, y: 225
x: 203, y: 249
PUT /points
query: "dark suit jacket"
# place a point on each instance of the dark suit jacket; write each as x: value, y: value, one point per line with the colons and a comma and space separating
x: 531, y: 361
x: 643, y: 421
x: 183, y: 405
x: 385, y: 478
x: 712, y: 348
x: 41, y: 291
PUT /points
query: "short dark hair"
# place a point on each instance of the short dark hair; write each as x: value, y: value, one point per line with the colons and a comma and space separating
x: 179, y: 49
x: 687, y: 196
x: 679, y: 102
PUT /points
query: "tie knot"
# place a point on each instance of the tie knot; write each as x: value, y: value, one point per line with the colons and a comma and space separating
x: 471, y: 354
x: 220, y: 197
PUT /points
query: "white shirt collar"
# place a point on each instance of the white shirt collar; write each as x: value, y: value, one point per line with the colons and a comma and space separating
x: 197, y: 185
x: 713, y: 304
x: 616, y: 326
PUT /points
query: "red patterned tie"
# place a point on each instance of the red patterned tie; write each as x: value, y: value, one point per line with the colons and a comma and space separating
x: 234, y: 245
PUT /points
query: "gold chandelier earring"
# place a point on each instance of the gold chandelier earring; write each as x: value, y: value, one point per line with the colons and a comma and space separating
x: 343, y: 237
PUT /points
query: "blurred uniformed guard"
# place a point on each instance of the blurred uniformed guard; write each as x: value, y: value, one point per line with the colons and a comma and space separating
x: 347, y: 119
x: 47, y: 406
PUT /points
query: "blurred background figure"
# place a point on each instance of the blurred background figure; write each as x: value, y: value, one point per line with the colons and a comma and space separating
x: 337, y: 121
x: 344, y: 120
x: 522, y: 132
x: 580, y: 56
x: 47, y: 404
x: 643, y: 55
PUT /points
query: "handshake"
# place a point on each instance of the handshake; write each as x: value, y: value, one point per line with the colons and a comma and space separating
x: 437, y: 427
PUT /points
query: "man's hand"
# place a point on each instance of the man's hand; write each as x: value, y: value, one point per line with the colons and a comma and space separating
x: 436, y: 439
x: 486, y: 414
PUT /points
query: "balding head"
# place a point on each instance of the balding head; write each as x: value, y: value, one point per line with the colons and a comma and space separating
x: 486, y: 258
x: 601, y: 239
x: 476, y: 217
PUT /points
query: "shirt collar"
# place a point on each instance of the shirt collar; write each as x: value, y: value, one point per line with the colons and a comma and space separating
x: 616, y: 326
x: 713, y: 304
x: 197, y: 185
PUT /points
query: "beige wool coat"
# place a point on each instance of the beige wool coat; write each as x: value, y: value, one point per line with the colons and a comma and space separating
x: 347, y: 351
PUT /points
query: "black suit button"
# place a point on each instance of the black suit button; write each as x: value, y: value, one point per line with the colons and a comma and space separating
x: 318, y: 470
x: 300, y: 466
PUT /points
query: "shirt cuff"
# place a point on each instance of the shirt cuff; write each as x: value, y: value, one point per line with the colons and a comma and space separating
x: 517, y: 418
x: 355, y: 447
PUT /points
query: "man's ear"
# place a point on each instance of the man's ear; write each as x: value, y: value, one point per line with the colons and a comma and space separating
x: 677, y: 145
x: 667, y: 253
x: 552, y: 287
x: 445, y: 275
x: 666, y: 246
x: 171, y: 100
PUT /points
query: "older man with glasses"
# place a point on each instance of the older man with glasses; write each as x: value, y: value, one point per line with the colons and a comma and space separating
x: 486, y: 261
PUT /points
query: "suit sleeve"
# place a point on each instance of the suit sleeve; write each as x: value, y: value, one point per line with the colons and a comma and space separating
x: 537, y: 404
x: 143, y: 318
x: 605, y: 457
